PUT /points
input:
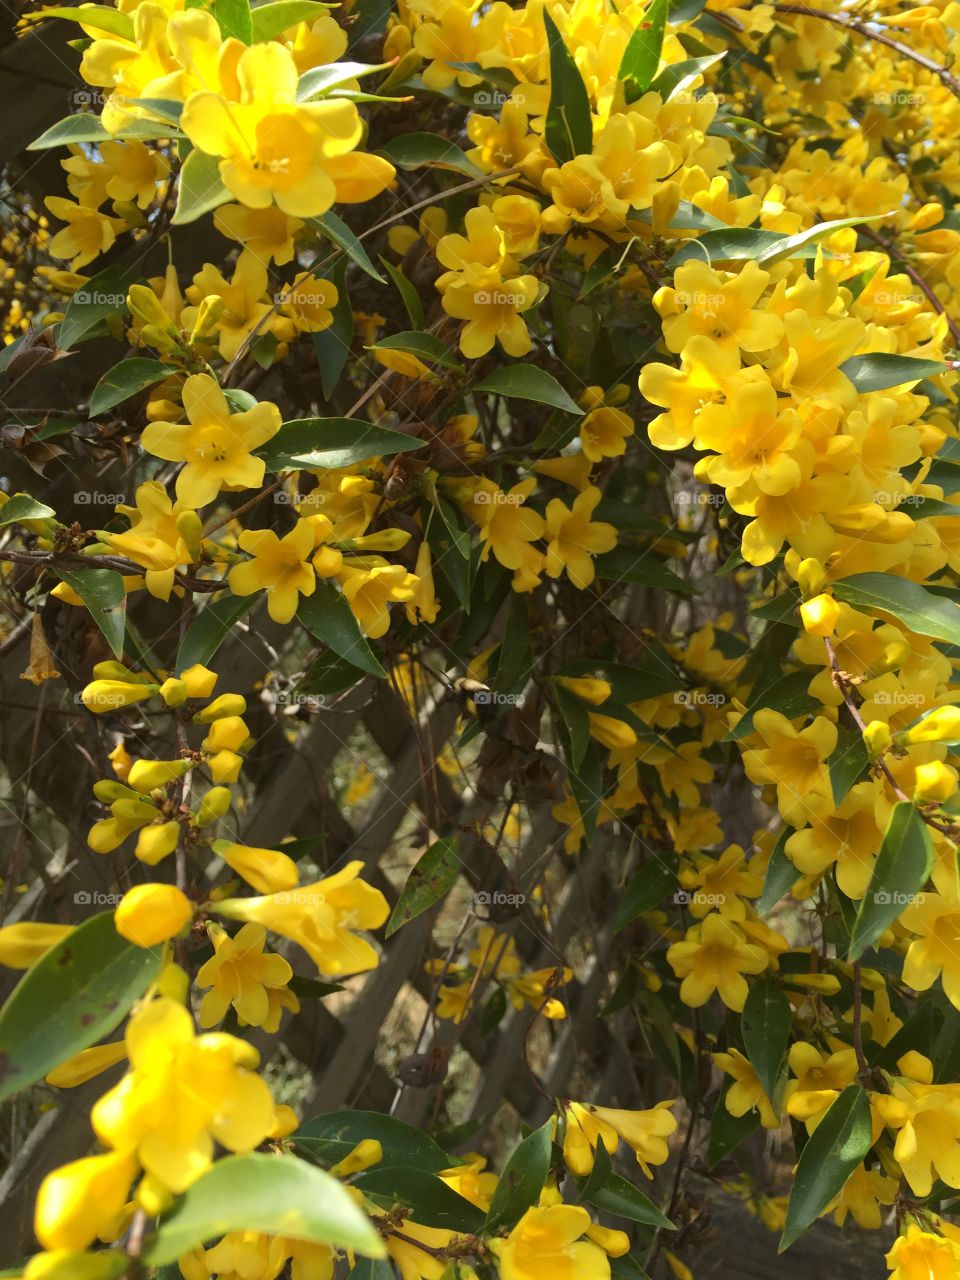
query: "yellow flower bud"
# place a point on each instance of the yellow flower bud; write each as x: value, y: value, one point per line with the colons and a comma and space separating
x: 825, y: 984
x: 819, y: 615
x: 926, y: 217
x: 327, y: 562
x: 121, y: 760
x: 228, y: 733
x: 285, y: 1122
x: 163, y: 410
x: 106, y: 790
x: 266, y: 869
x: 878, y: 738
x: 941, y: 725
x: 934, y: 782
x: 811, y: 577
x: 190, y: 529
x: 146, y: 306
x: 200, y: 680
x: 385, y: 540
x: 228, y: 704
x: 208, y: 314
x: 152, y: 913
x: 174, y: 692
x: 587, y: 687
x: 22, y: 945
x: 77, y: 1200
x: 213, y: 806
x: 103, y: 696
x: 147, y: 775
x: 87, y: 1064
x: 155, y: 842
x: 363, y: 1156
x: 112, y: 670
x: 225, y: 766
x: 614, y: 1243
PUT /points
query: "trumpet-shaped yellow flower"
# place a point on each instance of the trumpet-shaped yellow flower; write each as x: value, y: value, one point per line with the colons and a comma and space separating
x: 22, y: 945
x: 645, y: 1132
x: 746, y: 1093
x: 216, y: 445
x: 87, y: 234
x: 370, y: 585
x: 549, y: 1242
x: 922, y: 1255
x: 793, y: 760
x: 714, y: 956
x: 240, y: 973
x: 280, y: 566
x: 934, y: 953
x: 80, y: 1200
x: 573, y: 538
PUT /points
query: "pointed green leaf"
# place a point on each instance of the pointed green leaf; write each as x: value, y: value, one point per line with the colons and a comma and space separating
x: 335, y: 229
x: 327, y: 615
x: 568, y: 131
x: 527, y: 382
x: 908, y: 602
x: 22, y: 507
x: 766, y: 1024
x: 104, y: 295
x: 880, y: 370
x: 899, y: 874
x: 522, y: 1180
x: 641, y: 57
x: 431, y: 879
x: 209, y: 629
x: 125, y: 380
x: 428, y: 150
x: 331, y: 442
x: 200, y: 189
x: 102, y: 591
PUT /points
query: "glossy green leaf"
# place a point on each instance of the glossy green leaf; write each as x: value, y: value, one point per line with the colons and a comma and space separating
x: 102, y: 591
x: 76, y: 994
x: 424, y: 346
x: 327, y: 616
x: 646, y: 890
x: 804, y: 239
x: 86, y: 127
x: 207, y: 632
x: 834, y: 1149
x: 200, y: 188
x: 781, y: 875
x: 431, y: 879
x: 331, y: 1137
x: 428, y: 151
x: 270, y: 20
x: 527, y: 382
x: 104, y: 295
x: 332, y: 345
x: 522, y: 1180
x: 335, y: 229
x: 125, y: 380
x: 641, y: 57
x: 273, y: 1194
x: 624, y: 1200
x: 728, y: 1132
x: 766, y: 1023
x: 899, y: 874
x: 22, y: 507
x: 568, y: 130
x: 100, y: 17
x: 880, y: 370
x: 331, y: 442
x: 431, y: 1201
x: 917, y: 608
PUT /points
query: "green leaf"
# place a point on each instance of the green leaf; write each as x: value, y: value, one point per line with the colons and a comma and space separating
x: 408, y: 293
x: 766, y: 1023
x: 209, y: 629
x: 86, y: 127
x: 100, y: 17
x: 372, y: 1269
x: 200, y: 189
x: 328, y: 674
x: 626, y: 1267
x: 680, y: 76
x: 271, y: 20
x: 639, y: 564
x: 273, y: 1194
x: 423, y: 345
x: 641, y: 57
x: 568, y: 131
x: 732, y: 245
x: 430, y: 1201
x: 522, y: 1180
x: 624, y: 1200
x: 781, y: 875
x: 917, y: 608
x: 320, y: 80
x: 332, y: 345
x: 848, y: 763
x: 78, y: 992
x: 788, y: 695
x: 428, y: 150
x: 22, y: 507
x: 327, y: 616
x: 728, y: 1132
x: 586, y: 783
x: 335, y: 229
x: 899, y: 874
x: 311, y: 988
x: 447, y: 554
x: 527, y: 382
x: 516, y: 656
x: 577, y: 719
x: 880, y: 370
x: 331, y: 442
x: 431, y: 879
x: 646, y: 890
x: 804, y: 239
x: 102, y: 591
x: 331, y: 1137
x: 834, y: 1149
x: 104, y: 295
x: 125, y: 380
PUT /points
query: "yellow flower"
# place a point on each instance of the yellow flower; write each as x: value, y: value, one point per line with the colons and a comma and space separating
x: 308, y: 303
x: 604, y: 433
x: 921, y: 1255
x: 152, y: 913
x: 794, y: 760
x: 548, y: 1242
x: 102, y: 696
x: 848, y: 838
x: 80, y: 1200
x: 245, y: 306
x: 746, y: 1093
x: 266, y: 233
x: 714, y: 956
x: 86, y: 1064
x: 531, y: 989
x: 276, y: 150
x: 507, y: 525
x: 718, y: 305
x: 268, y: 870
x: 155, y: 539
x: 863, y: 1194
x: 321, y: 918
x: 573, y: 539
x: 216, y: 445
x: 183, y: 1094
x: 240, y: 973
x: 280, y: 566
x: 935, y: 918
x: 22, y: 945
x: 370, y: 585
x: 752, y: 435
x: 492, y: 305
x: 819, y: 1080
x: 86, y: 235
x: 941, y: 725
x: 645, y: 1132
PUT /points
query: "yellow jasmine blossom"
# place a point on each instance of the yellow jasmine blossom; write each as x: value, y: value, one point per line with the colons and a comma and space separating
x: 280, y: 566
x: 370, y: 585
x: 216, y: 445
x: 240, y: 973
x: 921, y: 1255
x: 573, y: 539
x: 86, y: 235
x: 266, y: 233
x: 80, y: 1200
x: 794, y: 760
x: 548, y: 1242
x: 645, y: 1132
x: 22, y: 945
x: 820, y: 1078
x: 714, y: 956
x: 152, y: 913
x: 268, y: 870
x: 746, y: 1093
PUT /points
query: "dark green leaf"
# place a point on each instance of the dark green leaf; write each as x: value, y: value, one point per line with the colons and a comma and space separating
x: 568, y: 130
x: 102, y: 591
x: 408, y: 293
x: 788, y: 695
x: 521, y: 1181
x: 331, y: 442
x: 273, y: 1194
x: 913, y: 605
x: 732, y: 245
x: 646, y: 890
x: 335, y: 229
x: 880, y: 370
x: 209, y: 629
x: 431, y: 1202
x: 431, y: 879
x: 899, y: 874
x: 330, y: 1138
x: 104, y: 295
x: 516, y: 656
x: 332, y: 345
x: 641, y: 57
x: 848, y: 763
x: 629, y: 564
x: 781, y: 875
x: 624, y: 1200
x: 125, y: 380
x: 86, y: 127
x: 527, y: 382
x: 327, y: 616
x: 78, y: 992
x: 200, y: 189
x: 428, y: 150
x: 766, y: 1023
x: 423, y: 345
x: 577, y: 719
x: 832, y: 1152
x: 22, y: 507
x: 728, y: 1132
